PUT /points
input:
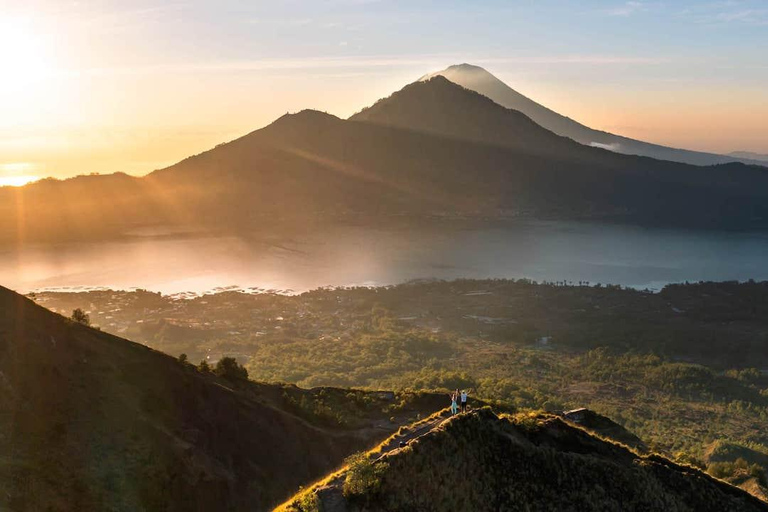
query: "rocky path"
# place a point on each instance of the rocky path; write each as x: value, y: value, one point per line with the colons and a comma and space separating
x: 330, y: 494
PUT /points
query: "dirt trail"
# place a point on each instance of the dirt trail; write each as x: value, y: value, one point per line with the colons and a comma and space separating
x: 331, y: 495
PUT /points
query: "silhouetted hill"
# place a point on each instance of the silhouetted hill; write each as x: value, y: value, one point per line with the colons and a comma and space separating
x: 479, y: 461
x: 89, y: 421
x: 431, y: 149
x: 546, y: 172
x: 441, y: 107
x: 480, y: 80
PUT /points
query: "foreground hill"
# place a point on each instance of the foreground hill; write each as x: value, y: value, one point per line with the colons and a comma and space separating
x: 433, y: 149
x: 479, y: 461
x: 89, y: 421
x: 480, y: 80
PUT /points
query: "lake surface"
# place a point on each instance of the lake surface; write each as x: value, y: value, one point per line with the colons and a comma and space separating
x: 552, y: 251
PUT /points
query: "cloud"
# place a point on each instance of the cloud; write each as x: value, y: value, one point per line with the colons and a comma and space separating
x: 746, y: 16
x: 742, y: 12
x: 628, y: 9
x: 587, y: 59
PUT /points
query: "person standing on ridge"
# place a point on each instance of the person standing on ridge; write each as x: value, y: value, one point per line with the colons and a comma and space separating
x: 454, y: 405
x: 464, y: 394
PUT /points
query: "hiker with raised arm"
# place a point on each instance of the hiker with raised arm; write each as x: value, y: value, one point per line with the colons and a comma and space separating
x: 454, y: 405
x: 464, y: 394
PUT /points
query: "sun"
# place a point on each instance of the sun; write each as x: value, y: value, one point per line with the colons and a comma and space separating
x: 23, y: 59
x: 17, y: 174
x: 17, y: 181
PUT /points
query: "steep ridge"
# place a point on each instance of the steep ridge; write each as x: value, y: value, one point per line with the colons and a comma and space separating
x: 441, y: 107
x: 89, y: 421
x: 480, y: 80
x: 479, y: 461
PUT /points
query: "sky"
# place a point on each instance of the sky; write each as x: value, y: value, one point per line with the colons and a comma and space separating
x: 134, y: 85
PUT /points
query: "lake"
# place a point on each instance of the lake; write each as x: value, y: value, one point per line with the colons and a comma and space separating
x: 552, y: 251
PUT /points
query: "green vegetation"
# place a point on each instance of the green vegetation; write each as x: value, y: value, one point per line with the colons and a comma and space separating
x: 363, y: 476
x: 682, y: 368
x: 89, y: 421
x: 81, y: 317
x: 529, y: 461
x: 229, y: 368
x: 739, y: 468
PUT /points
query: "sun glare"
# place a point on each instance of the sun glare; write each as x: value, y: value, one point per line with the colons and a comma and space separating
x: 22, y: 55
x: 16, y: 181
x: 17, y: 174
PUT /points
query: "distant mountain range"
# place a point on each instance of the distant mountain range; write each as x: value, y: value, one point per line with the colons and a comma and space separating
x: 432, y: 150
x: 480, y: 80
x: 749, y: 155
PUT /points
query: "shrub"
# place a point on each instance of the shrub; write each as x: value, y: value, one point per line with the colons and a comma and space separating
x: 308, y: 502
x: 81, y: 317
x: 229, y: 368
x: 363, y: 475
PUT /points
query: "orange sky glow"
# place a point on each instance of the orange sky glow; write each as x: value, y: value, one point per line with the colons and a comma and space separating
x: 136, y: 102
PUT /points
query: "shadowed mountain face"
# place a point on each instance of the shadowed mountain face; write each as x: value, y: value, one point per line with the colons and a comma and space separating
x: 558, y: 173
x: 482, y: 462
x: 89, y: 421
x: 480, y: 80
x: 433, y: 148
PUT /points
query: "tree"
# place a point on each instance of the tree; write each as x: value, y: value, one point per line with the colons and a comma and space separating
x: 204, y: 367
x: 183, y: 358
x: 81, y: 317
x: 363, y: 475
x: 228, y: 368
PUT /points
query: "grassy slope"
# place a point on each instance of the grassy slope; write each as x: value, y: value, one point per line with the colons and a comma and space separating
x: 89, y: 421
x: 482, y: 334
x: 482, y: 462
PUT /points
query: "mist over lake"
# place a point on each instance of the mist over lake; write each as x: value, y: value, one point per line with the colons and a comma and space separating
x: 344, y: 256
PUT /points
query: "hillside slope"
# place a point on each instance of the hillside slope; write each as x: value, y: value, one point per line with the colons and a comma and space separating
x: 89, y: 421
x: 479, y: 461
x: 480, y: 80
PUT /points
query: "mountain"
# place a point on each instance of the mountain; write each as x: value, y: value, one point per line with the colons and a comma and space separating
x: 89, y: 421
x: 482, y: 462
x: 433, y: 149
x: 536, y: 169
x: 480, y: 80
x: 748, y: 155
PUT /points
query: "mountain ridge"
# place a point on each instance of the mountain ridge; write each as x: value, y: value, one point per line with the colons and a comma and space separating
x: 480, y: 80
x: 90, y: 421
x: 433, y: 150
x: 481, y: 461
